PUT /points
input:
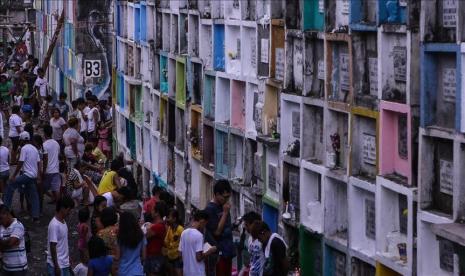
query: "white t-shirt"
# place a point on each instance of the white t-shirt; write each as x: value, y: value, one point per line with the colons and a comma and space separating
x: 91, y: 122
x: 13, y: 122
x: 52, y: 150
x: 191, y: 243
x: 30, y: 156
x: 84, y: 113
x: 80, y: 270
x: 110, y: 200
x: 58, y: 233
x: 4, y: 158
x: 42, y: 84
x: 34, y: 71
x: 69, y: 135
x: 14, y: 259
x: 18, y: 99
x: 57, y: 128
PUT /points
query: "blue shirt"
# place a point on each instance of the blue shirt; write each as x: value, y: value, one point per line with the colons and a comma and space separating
x: 130, y: 262
x: 224, y: 242
x: 101, y: 266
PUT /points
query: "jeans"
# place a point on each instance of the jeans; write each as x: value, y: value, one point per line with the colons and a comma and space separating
x: 27, y: 185
x: 64, y: 271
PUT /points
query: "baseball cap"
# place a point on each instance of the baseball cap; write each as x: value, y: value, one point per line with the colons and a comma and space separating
x: 24, y: 136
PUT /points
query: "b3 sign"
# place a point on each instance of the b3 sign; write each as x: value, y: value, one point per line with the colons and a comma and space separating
x: 92, y: 68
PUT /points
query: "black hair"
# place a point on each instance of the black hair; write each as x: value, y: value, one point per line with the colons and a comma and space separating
x: 125, y: 192
x: 156, y: 190
x: 174, y: 213
x: 74, y: 103
x: 29, y: 128
x: 200, y: 215
x: 160, y: 208
x: 40, y: 70
x: 129, y: 233
x: 15, y: 109
x: 26, y: 100
x: 88, y: 147
x: 35, y: 61
x: 1, y: 140
x: 116, y: 164
x: 5, y: 209
x: 108, y: 216
x: 97, y: 201
x: 48, y: 130
x: 84, y: 214
x: 63, y: 95
x: 38, y: 140
x: 250, y: 217
x: 65, y: 202
x: 96, y: 247
x: 48, y: 98
x: 260, y: 228
x: 222, y: 186
x: 30, y: 57
x: 80, y: 101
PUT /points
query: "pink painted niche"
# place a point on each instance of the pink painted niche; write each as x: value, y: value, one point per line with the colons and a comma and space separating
x: 395, y: 144
x: 238, y: 104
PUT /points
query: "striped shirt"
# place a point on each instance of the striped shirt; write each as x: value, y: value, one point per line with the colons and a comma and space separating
x: 14, y: 259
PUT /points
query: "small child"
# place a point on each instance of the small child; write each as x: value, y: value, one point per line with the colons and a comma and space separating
x: 103, y: 143
x: 100, y: 262
x: 83, y: 231
x: 18, y: 98
x: 44, y: 114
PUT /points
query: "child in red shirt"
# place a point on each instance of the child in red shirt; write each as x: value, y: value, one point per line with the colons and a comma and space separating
x: 155, y: 261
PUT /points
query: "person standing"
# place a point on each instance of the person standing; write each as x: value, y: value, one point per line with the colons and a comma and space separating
x: 254, y: 246
x: 40, y: 85
x: 58, y: 263
x: 219, y: 230
x: 62, y: 105
x: 191, y: 246
x: 51, y: 170
x: 172, y: 239
x: 58, y: 125
x: 155, y: 262
x: 82, y: 117
x: 274, y: 248
x: 131, y: 246
x: 15, y: 124
x: 12, y: 244
x: 74, y: 143
x: 4, y: 166
x: 93, y: 118
x: 29, y: 163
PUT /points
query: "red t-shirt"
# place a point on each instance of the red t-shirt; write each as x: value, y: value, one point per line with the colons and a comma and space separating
x: 149, y: 204
x: 155, y: 243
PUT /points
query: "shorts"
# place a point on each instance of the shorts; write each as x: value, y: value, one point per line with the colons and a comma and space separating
x: 4, y: 176
x: 154, y: 264
x: 64, y: 271
x: 15, y: 142
x: 14, y: 273
x: 52, y: 181
x: 176, y: 263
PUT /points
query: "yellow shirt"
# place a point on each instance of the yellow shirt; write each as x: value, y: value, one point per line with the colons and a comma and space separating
x: 172, y: 239
x: 99, y: 155
x: 106, y: 183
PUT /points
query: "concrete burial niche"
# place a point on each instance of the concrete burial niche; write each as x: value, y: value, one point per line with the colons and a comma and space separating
x: 272, y: 174
x: 205, y: 8
x: 209, y: 86
x: 147, y: 105
x: 163, y: 114
x: 179, y: 179
x: 311, y: 252
x: 236, y: 157
x: 196, y: 128
x: 335, y: 261
x: 396, y: 143
x: 181, y: 82
x: 436, y: 175
x: 195, y: 188
x: 172, y: 78
x: 193, y: 35
x: 194, y: 82
x: 314, y: 65
x: 313, y: 146
x: 223, y: 101
x: 183, y: 26
x: 293, y: 14
x: 270, y: 110
x: 336, y: 208
x: 365, y: 69
x: 277, y: 53
x: 253, y: 110
x: 290, y: 124
x: 263, y: 49
x: 238, y: 104
x: 232, y: 9
x: 337, y: 16
x: 312, y: 208
x: 294, y: 63
x: 174, y: 37
x: 339, y: 70
x: 363, y: 15
x: 441, y: 86
x: 313, y: 17
x: 336, y: 126
x: 291, y: 190
x: 166, y: 27
x: 222, y: 151
x: 233, y: 47
x: 390, y: 12
x: 218, y: 47
x: 163, y: 74
x: 248, y: 50
x: 364, y: 143
x: 362, y: 220
x: 155, y: 113
x: 208, y: 146
x: 205, y: 44
x: 360, y: 267
x: 442, y: 21
x: 180, y: 129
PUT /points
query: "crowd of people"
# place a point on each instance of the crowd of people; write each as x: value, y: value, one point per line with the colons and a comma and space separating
x: 62, y: 154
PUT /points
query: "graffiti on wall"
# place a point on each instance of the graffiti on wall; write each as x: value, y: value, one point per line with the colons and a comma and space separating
x: 94, y: 47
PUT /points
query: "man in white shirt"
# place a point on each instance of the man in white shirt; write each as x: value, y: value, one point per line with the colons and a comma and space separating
x: 12, y: 244
x: 191, y: 246
x: 57, y: 240
x: 84, y: 109
x: 93, y: 117
x: 15, y: 124
x: 41, y: 84
x: 29, y: 163
x: 51, y: 168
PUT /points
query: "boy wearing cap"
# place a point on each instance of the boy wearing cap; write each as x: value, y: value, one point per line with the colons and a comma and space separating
x: 29, y: 163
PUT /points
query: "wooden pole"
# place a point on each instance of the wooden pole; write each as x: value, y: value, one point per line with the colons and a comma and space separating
x: 53, y: 42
